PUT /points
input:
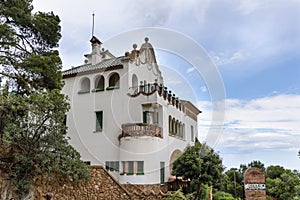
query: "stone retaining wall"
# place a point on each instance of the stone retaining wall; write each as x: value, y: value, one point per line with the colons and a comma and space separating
x: 101, y: 186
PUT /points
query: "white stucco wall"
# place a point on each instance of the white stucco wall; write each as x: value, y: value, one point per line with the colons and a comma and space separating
x: 119, y: 108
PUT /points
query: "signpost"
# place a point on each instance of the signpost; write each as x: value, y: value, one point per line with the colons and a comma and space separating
x: 255, y: 188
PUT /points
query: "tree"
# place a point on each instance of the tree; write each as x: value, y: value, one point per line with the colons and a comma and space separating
x: 201, y: 165
x: 33, y: 141
x: 282, y: 183
x: 232, y: 183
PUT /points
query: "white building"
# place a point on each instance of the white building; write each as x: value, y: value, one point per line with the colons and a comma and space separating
x: 122, y: 116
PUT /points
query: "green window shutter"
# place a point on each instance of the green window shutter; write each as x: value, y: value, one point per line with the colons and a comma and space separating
x: 162, y: 172
x: 117, y: 166
x: 140, y: 167
x: 106, y: 165
x: 145, y: 116
x: 130, y: 167
x: 99, y: 120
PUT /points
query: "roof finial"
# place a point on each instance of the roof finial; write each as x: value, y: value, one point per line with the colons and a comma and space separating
x: 93, y: 25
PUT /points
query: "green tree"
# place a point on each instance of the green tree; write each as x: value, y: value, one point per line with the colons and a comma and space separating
x: 282, y: 183
x: 232, y: 183
x: 201, y: 165
x: 33, y: 141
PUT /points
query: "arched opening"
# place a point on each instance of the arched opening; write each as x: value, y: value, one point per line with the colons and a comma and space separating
x: 84, y: 85
x: 134, y: 81
x: 173, y: 157
x: 173, y: 126
x: 99, y: 83
x: 114, y: 81
x: 170, y: 124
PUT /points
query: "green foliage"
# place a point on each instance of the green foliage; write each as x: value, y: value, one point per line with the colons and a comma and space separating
x: 177, y: 195
x: 27, y: 59
x: 222, y: 196
x: 283, y: 183
x: 33, y: 141
x: 201, y: 165
x: 232, y: 182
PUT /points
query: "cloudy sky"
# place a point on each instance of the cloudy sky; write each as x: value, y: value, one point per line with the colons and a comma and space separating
x: 254, y: 44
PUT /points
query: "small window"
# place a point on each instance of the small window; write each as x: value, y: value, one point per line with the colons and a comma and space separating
x: 192, y: 134
x: 114, y: 82
x: 148, y: 117
x: 112, y: 165
x: 107, y: 165
x: 84, y: 86
x: 87, y: 162
x: 99, y: 84
x: 130, y: 167
x: 162, y: 173
x: 140, y: 167
x: 99, y: 121
x: 170, y: 124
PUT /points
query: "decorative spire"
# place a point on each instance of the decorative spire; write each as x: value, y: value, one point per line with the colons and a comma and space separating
x: 93, y: 25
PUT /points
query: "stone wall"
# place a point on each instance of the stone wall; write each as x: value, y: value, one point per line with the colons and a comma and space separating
x: 101, y: 186
x: 149, y: 192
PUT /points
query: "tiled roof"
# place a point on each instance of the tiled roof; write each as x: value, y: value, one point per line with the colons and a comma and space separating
x: 89, y: 67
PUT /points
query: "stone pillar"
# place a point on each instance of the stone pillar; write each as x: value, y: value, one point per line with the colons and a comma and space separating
x: 255, y: 188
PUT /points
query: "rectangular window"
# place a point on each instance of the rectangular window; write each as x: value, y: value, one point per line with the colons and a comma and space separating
x: 140, y: 167
x: 162, y: 173
x: 99, y: 121
x: 192, y: 134
x: 124, y: 167
x: 148, y: 117
x: 107, y: 165
x: 117, y: 167
x: 112, y: 165
x: 130, y: 167
x: 87, y: 162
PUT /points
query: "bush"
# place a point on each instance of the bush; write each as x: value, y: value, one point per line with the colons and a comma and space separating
x: 222, y: 196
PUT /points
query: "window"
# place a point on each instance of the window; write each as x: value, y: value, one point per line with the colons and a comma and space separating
x: 173, y: 126
x: 99, y: 121
x: 133, y: 167
x: 87, y: 162
x: 192, y: 134
x: 134, y: 81
x: 84, y: 86
x: 99, y: 84
x: 140, y: 167
x: 130, y: 168
x: 162, y: 173
x: 148, y: 117
x: 170, y: 124
x: 112, y: 165
x: 114, y: 82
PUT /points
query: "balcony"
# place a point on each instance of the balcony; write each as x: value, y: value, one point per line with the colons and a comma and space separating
x: 140, y: 129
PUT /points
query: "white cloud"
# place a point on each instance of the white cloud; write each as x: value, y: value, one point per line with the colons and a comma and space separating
x: 191, y: 69
x: 263, y: 124
x: 222, y: 58
x: 203, y: 89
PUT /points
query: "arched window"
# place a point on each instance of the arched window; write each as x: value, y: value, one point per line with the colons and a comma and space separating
x: 99, y: 84
x: 170, y: 124
x: 173, y: 126
x: 134, y: 81
x: 180, y: 130
x: 176, y: 127
x: 84, y: 85
x: 114, y: 81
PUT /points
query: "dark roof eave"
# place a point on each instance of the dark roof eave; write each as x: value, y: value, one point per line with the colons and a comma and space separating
x: 110, y: 68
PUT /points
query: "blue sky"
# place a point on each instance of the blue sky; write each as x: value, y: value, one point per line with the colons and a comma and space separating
x: 255, y: 45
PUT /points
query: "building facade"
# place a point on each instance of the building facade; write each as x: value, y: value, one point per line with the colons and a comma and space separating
x: 123, y: 117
